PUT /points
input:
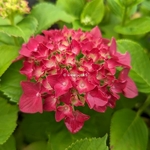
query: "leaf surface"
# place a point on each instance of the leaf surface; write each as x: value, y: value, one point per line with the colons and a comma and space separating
x: 10, y: 82
x: 128, y: 131
x: 8, y: 118
x: 93, y: 12
x: 50, y: 14
x: 7, y: 54
x: 135, y: 27
x: 89, y: 144
x: 25, y: 28
x: 9, y: 143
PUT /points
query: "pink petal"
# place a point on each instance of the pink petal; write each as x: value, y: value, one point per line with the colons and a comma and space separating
x: 93, y: 54
x: 96, y: 98
x: 130, y: 91
x: 42, y: 51
x: 117, y: 87
x: 46, y: 84
x: 75, y: 47
x: 66, y: 98
x: 62, y: 112
x: 62, y: 86
x: 124, y: 59
x: 86, y: 46
x: 100, y: 108
x: 27, y: 69
x: 38, y: 71
x: 75, y: 123
x: 70, y: 60
x: 113, y: 47
x: 30, y: 101
x: 25, y: 51
x: 50, y: 63
x: 30, y: 88
x: 96, y: 32
x: 111, y: 66
x: 88, y: 65
x: 80, y: 117
x: 83, y: 85
x: 50, y: 103
x: 112, y: 100
x: 52, y: 80
x: 30, y: 104
x: 124, y: 74
x: 33, y: 44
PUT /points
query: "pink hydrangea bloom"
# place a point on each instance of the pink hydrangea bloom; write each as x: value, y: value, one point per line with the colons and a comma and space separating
x: 67, y: 68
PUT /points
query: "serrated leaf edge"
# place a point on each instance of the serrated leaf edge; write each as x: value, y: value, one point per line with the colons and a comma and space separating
x: 88, y: 139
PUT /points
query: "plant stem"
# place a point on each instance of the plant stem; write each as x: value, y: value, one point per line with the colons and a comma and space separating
x: 123, y: 20
x: 124, y: 16
x: 11, y: 18
x: 142, y: 108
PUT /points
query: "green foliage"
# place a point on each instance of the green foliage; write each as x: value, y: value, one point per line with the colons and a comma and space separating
x: 8, y: 118
x: 128, y: 131
x: 122, y: 19
x: 93, y: 12
x: 89, y: 144
x: 116, y: 7
x: 7, y: 55
x: 129, y: 3
x: 10, y: 82
x: 140, y: 62
x: 49, y: 15
x: 43, y: 127
x: 134, y: 27
x: 73, y: 7
x: 25, y: 28
x: 9, y: 143
x: 5, y: 39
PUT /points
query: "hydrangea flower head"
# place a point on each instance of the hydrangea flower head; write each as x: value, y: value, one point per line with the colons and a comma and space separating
x: 67, y: 68
x: 9, y: 7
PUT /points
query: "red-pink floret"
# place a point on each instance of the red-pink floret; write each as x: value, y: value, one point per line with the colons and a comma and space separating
x: 67, y: 68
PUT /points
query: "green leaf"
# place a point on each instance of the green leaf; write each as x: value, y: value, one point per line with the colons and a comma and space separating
x: 28, y: 27
x: 10, y: 82
x: 116, y: 8
x: 128, y: 131
x: 135, y: 27
x: 7, y: 55
x: 73, y: 7
x: 49, y: 15
x: 39, y: 127
x: 129, y: 3
x: 23, y: 29
x: 5, y: 39
x: 9, y: 143
x: 89, y: 144
x: 93, y: 12
x: 8, y: 118
x: 140, y: 62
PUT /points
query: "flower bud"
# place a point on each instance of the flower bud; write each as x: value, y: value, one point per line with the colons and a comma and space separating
x: 9, y: 7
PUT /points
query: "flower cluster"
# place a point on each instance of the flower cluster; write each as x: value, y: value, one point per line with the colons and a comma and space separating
x: 9, y: 7
x: 67, y: 68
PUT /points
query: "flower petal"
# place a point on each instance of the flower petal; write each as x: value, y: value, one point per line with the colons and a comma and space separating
x: 130, y: 91
x: 75, y: 123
